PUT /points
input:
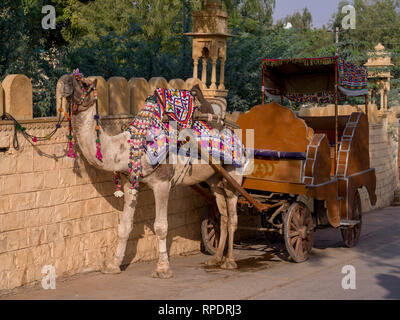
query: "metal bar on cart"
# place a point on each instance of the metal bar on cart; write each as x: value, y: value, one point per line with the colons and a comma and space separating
x: 262, y: 85
x: 336, y: 113
x: 259, y: 229
x: 220, y: 170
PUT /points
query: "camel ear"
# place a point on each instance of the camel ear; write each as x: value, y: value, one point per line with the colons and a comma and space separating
x: 196, y: 92
x: 77, y: 87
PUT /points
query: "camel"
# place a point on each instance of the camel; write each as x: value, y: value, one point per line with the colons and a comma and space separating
x: 115, y: 153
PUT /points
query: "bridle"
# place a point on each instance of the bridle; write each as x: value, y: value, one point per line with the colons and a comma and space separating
x: 76, y: 107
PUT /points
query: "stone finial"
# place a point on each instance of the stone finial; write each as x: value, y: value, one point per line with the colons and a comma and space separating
x: 158, y: 82
x: 18, y: 96
x: 102, y: 95
x: 211, y: 4
x: 191, y: 82
x: 379, y: 47
x: 1, y: 99
x: 177, y: 84
x: 118, y: 96
x: 139, y: 91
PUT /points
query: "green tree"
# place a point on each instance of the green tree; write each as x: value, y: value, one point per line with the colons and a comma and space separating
x: 377, y: 21
x: 299, y: 20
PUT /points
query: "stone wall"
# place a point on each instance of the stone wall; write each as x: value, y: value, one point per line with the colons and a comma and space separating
x: 383, y: 146
x: 62, y: 212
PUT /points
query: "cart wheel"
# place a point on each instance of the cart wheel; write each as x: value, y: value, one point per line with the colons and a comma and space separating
x: 210, y: 230
x: 299, y: 232
x: 352, y: 235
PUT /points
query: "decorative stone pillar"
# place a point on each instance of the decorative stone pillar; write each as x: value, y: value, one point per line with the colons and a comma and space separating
x: 378, y: 61
x: 222, y: 74
x: 385, y: 102
x: 214, y: 74
x: 204, y: 70
x: 195, y: 67
x: 210, y: 34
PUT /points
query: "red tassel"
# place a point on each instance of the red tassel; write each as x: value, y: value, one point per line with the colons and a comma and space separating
x: 98, y: 153
x: 71, y: 153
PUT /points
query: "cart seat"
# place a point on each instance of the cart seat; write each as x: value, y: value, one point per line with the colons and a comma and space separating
x: 273, y: 154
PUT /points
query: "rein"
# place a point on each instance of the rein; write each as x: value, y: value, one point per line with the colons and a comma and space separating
x: 31, y: 138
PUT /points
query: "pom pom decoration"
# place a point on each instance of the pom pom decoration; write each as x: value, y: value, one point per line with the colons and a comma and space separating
x: 71, y: 152
x: 98, y: 152
x: 117, y: 181
x: 118, y: 194
x: 132, y: 191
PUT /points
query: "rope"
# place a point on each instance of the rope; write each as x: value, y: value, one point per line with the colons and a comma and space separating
x: 19, y: 128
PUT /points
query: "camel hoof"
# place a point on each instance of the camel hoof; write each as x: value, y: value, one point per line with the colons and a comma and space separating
x: 229, y: 264
x: 111, y: 269
x: 162, y: 274
x: 214, y: 261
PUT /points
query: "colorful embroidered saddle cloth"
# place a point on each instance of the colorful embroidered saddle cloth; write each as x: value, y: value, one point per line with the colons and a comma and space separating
x: 225, y: 145
x: 177, y: 104
x: 155, y: 137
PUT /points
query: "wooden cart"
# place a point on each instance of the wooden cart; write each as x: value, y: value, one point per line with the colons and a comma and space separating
x: 325, y: 159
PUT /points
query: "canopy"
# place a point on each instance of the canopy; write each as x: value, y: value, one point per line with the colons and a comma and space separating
x: 313, y: 79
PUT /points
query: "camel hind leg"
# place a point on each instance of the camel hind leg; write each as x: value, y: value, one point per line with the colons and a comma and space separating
x: 231, y: 201
x: 220, y: 198
x: 229, y: 261
x: 124, y: 229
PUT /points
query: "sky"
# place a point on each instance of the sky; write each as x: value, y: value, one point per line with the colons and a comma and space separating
x: 321, y: 10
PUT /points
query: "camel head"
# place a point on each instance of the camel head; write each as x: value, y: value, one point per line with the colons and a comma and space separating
x: 205, y: 105
x: 79, y: 92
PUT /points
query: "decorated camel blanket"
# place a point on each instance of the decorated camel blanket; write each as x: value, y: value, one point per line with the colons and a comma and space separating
x: 150, y: 135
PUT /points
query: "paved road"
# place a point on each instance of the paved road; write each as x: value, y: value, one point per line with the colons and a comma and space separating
x: 263, y: 272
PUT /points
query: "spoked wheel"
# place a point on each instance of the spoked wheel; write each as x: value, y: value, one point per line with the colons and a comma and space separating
x: 210, y: 230
x: 299, y: 232
x: 351, y: 235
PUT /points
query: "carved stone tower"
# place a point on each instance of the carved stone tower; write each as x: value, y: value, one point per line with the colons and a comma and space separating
x: 210, y: 34
x: 380, y: 60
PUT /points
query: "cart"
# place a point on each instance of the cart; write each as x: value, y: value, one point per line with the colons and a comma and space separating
x: 322, y: 159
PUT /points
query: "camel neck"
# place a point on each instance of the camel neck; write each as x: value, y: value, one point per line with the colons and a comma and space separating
x: 83, y: 125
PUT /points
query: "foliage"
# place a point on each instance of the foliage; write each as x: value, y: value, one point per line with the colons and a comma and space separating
x: 299, y: 20
x: 144, y: 38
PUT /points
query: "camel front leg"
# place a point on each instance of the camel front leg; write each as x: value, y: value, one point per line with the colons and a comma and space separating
x: 161, y: 195
x: 124, y: 229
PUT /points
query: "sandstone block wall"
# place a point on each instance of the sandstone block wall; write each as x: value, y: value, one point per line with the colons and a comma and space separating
x: 58, y: 211
x: 383, y: 154
x: 62, y: 212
